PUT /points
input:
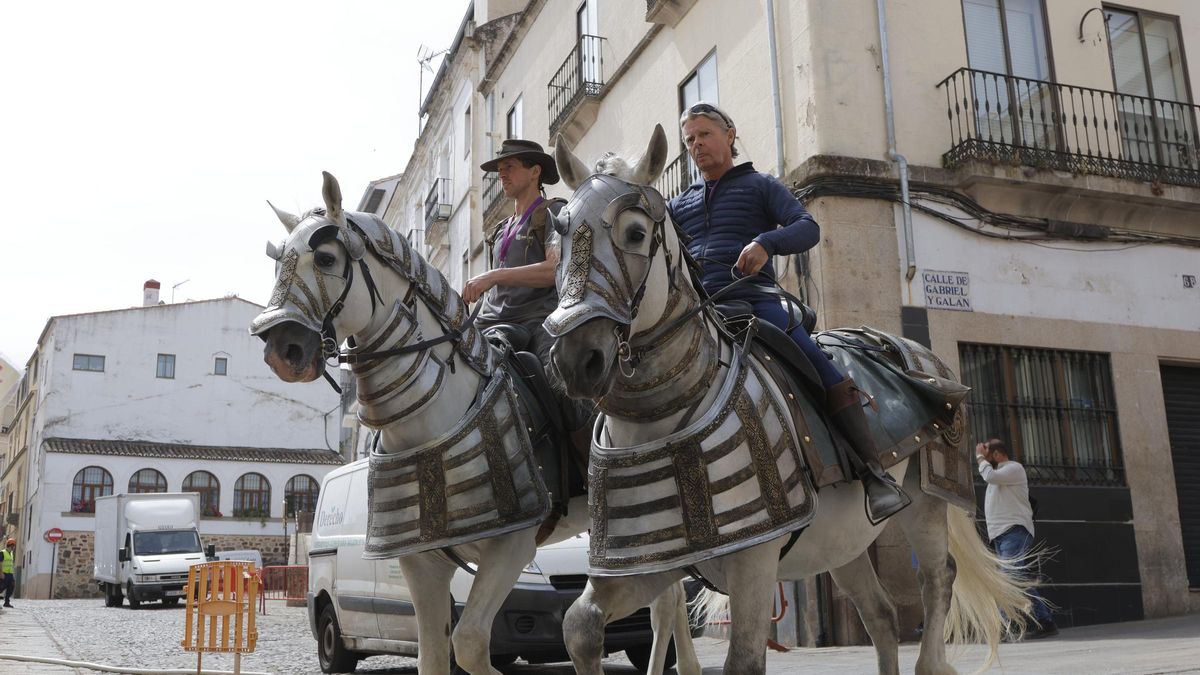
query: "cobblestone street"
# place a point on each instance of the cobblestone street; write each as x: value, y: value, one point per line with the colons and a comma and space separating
x: 84, y: 630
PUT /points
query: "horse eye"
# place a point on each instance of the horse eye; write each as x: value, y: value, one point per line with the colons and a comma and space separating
x: 636, y: 236
x: 326, y: 259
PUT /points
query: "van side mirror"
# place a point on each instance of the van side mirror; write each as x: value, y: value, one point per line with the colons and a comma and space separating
x: 210, y: 552
x: 123, y: 555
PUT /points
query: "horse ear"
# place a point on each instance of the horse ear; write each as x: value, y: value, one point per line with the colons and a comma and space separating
x: 355, y: 245
x: 570, y: 168
x: 650, y: 166
x: 331, y: 192
x: 289, y: 221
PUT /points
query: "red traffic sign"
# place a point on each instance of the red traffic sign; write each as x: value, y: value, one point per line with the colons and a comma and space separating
x: 53, y: 535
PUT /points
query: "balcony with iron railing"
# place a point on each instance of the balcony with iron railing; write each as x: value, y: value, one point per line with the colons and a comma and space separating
x: 574, y: 90
x: 437, y: 210
x: 493, y: 198
x: 1003, y: 118
x: 678, y: 175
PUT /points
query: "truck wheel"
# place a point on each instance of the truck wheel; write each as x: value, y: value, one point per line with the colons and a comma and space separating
x: 110, y: 598
x: 332, y: 654
x: 134, y: 602
x: 640, y: 656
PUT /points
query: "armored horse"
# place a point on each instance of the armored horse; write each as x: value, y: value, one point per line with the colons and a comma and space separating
x: 453, y: 478
x: 711, y: 458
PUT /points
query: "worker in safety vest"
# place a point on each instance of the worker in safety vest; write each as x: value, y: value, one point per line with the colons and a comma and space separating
x: 7, y: 559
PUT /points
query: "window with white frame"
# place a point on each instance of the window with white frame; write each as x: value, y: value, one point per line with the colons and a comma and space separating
x: 513, y: 124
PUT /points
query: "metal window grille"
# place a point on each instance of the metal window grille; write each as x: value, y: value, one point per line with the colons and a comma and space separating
x: 147, y: 480
x: 91, y: 482
x: 209, y: 489
x: 1054, y: 409
x: 90, y: 362
x: 252, y: 495
x: 301, y: 494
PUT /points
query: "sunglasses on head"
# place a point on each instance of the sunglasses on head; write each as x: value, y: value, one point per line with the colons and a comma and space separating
x: 706, y: 108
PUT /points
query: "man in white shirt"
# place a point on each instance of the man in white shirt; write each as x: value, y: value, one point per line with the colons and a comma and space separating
x: 1010, y: 518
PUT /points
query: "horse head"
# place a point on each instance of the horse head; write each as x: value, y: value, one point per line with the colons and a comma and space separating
x: 315, y: 303
x: 619, y: 257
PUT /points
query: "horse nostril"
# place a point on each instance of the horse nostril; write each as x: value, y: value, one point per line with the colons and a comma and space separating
x: 293, y: 354
x: 593, y: 367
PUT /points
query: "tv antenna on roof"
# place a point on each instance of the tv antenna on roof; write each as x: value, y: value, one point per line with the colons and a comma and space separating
x: 424, y: 56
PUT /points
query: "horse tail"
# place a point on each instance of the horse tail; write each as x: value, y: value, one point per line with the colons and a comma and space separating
x: 987, y: 589
x: 709, y: 605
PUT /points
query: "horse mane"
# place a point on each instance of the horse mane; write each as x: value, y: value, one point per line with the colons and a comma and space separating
x: 433, y: 286
x: 614, y: 165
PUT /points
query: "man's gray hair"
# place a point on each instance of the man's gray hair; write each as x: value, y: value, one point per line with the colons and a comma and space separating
x: 712, y: 112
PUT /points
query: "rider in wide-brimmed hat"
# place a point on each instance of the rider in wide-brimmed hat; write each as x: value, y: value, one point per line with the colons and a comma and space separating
x: 518, y: 291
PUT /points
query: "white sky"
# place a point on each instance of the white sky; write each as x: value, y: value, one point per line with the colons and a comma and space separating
x: 140, y: 140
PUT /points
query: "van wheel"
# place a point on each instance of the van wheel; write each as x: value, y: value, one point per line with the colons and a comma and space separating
x: 134, y: 602
x: 332, y: 654
x: 639, y: 656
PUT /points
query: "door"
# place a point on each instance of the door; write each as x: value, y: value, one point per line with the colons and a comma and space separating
x: 393, y: 602
x: 1157, y: 126
x: 589, y: 44
x: 1181, y: 393
x: 1015, y: 102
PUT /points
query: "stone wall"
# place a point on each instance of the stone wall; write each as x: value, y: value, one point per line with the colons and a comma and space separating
x: 73, y: 569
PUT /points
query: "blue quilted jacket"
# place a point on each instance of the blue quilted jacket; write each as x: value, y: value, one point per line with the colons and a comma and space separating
x: 745, y: 206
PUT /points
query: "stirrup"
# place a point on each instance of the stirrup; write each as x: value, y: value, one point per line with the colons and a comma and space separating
x: 888, y: 510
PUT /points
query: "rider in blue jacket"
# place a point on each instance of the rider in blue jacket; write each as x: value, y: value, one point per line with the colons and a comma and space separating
x: 732, y: 217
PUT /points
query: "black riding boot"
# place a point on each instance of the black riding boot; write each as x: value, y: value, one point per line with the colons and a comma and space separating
x: 884, y: 496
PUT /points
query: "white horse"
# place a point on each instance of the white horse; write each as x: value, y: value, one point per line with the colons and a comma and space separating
x: 631, y: 335
x: 452, y: 477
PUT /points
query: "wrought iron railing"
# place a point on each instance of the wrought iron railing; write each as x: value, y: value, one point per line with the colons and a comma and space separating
x: 493, y: 193
x: 580, y: 75
x: 437, y: 202
x: 678, y: 175
x: 1004, y: 118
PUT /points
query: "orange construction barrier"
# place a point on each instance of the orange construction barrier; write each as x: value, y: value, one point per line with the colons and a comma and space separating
x: 220, y: 610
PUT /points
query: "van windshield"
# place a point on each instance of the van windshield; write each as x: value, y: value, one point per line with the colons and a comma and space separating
x: 166, y: 542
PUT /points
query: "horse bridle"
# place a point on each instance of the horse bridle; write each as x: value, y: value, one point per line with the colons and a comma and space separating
x: 329, y: 344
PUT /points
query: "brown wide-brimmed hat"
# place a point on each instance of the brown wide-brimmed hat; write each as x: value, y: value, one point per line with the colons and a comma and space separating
x: 517, y: 148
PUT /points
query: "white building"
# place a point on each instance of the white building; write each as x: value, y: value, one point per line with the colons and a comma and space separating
x: 164, y: 398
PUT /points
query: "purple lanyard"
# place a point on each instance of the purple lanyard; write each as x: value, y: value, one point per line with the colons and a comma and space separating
x: 511, y: 231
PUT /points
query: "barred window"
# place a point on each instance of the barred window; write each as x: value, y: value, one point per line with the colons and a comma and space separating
x: 301, y: 494
x: 147, y: 480
x: 91, y: 482
x: 252, y: 496
x: 1054, y: 408
x: 209, y: 488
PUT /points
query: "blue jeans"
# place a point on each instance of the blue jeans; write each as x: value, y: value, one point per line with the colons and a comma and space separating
x: 1013, y: 543
x: 771, y: 310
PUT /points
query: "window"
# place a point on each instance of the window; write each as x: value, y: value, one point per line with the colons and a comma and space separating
x: 252, y: 496
x: 300, y: 494
x: 90, y: 483
x: 147, y: 480
x: 700, y: 85
x: 206, y: 484
x: 374, y: 200
x: 466, y: 135
x: 166, y: 366
x: 1054, y: 408
x: 221, y: 366
x: 513, y: 122
x: 88, y: 362
x: 1147, y: 61
x: 1008, y: 38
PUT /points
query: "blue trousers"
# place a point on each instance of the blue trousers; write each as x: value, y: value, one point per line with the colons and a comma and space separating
x: 770, y: 309
x: 1015, y: 542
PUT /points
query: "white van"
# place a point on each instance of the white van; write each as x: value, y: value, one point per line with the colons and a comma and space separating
x: 358, y: 608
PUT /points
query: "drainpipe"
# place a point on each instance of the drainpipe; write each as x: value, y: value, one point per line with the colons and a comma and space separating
x: 910, y: 257
x: 775, y: 89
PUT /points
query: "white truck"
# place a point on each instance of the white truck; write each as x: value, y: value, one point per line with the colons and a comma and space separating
x: 144, y: 546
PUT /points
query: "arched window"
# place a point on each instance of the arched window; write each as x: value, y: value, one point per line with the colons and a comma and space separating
x: 91, y: 482
x: 252, y: 496
x: 147, y: 480
x: 301, y: 494
x: 210, y: 492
